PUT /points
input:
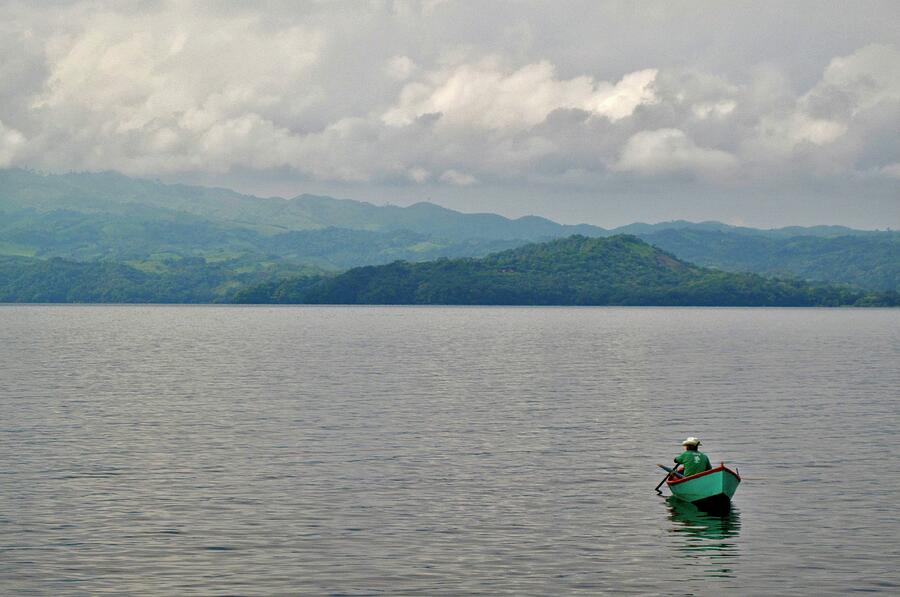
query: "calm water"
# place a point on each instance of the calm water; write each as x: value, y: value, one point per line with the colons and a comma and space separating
x: 443, y: 451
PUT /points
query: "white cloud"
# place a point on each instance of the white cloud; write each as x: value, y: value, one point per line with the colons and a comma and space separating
x: 666, y: 151
x: 783, y: 134
x: 485, y: 95
x: 172, y: 92
x: 828, y: 130
x: 419, y: 175
x: 11, y: 142
x: 720, y: 109
x: 460, y: 179
x: 400, y: 68
x: 451, y: 94
x: 869, y: 76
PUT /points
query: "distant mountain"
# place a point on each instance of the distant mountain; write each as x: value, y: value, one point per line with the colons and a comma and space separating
x: 620, y: 270
x: 113, y: 218
x: 433, y: 220
x: 138, y: 238
x: 110, y: 217
x: 870, y: 261
x: 30, y: 280
x: 643, y: 230
x: 640, y: 228
x: 112, y: 193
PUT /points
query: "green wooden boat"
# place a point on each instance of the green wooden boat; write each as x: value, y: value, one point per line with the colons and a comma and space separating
x: 709, y: 490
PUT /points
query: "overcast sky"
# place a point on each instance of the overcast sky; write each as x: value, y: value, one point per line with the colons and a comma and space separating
x: 761, y: 113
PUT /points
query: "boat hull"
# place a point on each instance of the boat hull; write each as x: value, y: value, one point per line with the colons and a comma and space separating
x: 709, y: 490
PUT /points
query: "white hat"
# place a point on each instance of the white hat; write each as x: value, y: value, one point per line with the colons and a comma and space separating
x: 691, y: 441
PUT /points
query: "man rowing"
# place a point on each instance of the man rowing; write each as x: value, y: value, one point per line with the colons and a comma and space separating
x: 694, y: 460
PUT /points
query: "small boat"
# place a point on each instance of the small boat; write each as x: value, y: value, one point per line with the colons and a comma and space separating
x: 709, y: 490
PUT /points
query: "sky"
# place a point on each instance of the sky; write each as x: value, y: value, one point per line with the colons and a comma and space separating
x: 754, y: 113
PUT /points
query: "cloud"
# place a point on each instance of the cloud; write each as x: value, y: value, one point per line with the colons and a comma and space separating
x: 860, y: 81
x: 11, y: 142
x: 834, y: 128
x: 454, y: 95
x: 173, y: 91
x: 781, y: 134
x: 418, y: 175
x: 487, y: 96
x: 400, y: 68
x: 458, y: 178
x: 719, y: 109
x: 665, y: 151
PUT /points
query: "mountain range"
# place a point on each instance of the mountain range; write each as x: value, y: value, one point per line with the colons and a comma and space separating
x: 618, y: 270
x: 162, y: 229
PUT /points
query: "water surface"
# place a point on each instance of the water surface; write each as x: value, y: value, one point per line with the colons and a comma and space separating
x: 443, y: 451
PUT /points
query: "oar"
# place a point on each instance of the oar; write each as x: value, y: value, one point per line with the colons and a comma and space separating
x: 671, y: 470
x: 668, y: 472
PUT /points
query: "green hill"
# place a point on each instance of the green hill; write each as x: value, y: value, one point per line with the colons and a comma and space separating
x: 620, y: 270
x: 112, y: 193
x: 641, y: 229
x: 111, y: 218
x: 145, y: 238
x: 870, y: 260
x: 30, y: 280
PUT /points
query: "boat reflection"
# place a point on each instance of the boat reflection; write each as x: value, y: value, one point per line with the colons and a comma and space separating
x: 710, y: 539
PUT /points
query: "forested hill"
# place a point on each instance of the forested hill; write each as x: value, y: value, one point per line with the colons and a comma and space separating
x: 110, y: 193
x: 870, y: 260
x: 149, y: 226
x: 30, y: 280
x: 620, y: 270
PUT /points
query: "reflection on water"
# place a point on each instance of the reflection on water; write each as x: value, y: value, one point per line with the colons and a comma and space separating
x: 709, y: 540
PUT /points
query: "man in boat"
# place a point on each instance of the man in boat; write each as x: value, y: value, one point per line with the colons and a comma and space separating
x: 694, y: 460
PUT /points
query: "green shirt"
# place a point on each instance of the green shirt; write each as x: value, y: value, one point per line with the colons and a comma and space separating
x: 694, y: 462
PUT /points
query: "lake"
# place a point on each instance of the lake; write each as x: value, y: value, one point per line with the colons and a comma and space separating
x: 180, y: 450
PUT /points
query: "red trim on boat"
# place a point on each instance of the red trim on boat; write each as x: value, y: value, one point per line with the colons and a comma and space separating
x: 719, y: 468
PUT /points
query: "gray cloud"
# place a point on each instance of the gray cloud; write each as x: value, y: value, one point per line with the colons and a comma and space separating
x: 595, y: 102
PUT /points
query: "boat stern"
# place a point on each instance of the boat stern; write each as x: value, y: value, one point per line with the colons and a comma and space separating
x: 712, y: 489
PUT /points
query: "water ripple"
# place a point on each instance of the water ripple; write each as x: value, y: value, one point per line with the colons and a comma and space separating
x: 443, y: 451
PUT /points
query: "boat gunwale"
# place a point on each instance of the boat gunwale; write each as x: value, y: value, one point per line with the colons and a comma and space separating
x: 718, y: 469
